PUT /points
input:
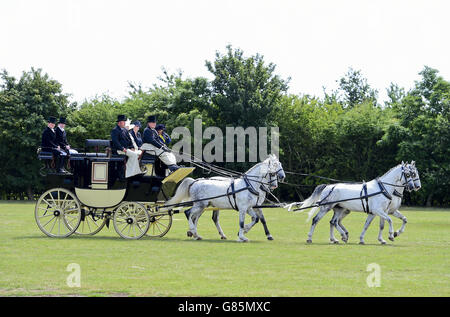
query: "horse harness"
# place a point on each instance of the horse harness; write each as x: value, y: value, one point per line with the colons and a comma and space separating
x: 232, y: 192
x: 365, y: 198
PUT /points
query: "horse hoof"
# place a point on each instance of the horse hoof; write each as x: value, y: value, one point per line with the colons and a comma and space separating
x: 383, y: 242
x: 189, y: 234
x: 396, y: 234
x: 391, y: 238
x: 361, y: 242
x: 198, y: 238
x: 242, y: 240
x: 223, y: 238
x: 336, y: 242
x: 270, y: 238
x: 309, y: 241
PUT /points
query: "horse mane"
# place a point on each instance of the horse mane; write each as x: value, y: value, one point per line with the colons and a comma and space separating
x: 396, y: 166
x: 253, y: 167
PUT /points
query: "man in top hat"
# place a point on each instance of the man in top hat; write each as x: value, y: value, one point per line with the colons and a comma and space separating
x: 165, y: 138
x: 154, y: 145
x: 135, y: 135
x: 50, y: 144
x: 61, y: 137
x: 122, y: 144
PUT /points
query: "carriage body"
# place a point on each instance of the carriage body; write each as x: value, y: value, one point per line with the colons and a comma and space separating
x: 98, y: 192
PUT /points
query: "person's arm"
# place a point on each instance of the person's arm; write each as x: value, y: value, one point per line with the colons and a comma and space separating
x: 60, y: 138
x: 167, y: 138
x: 149, y: 137
x: 115, y: 140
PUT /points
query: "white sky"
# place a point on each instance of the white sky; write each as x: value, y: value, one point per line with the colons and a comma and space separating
x: 97, y: 46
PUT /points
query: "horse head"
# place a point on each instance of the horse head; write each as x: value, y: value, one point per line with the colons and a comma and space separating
x: 274, y: 170
x: 414, y: 174
x: 405, y: 177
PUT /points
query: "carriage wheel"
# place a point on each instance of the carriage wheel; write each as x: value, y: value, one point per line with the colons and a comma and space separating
x: 131, y: 220
x: 159, y: 224
x: 92, y: 223
x: 58, y: 213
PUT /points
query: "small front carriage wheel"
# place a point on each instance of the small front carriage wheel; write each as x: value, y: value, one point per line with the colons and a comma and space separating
x: 58, y: 213
x: 131, y: 220
x: 160, y: 223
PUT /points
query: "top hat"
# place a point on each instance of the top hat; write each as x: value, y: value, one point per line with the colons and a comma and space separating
x: 160, y: 127
x: 121, y: 117
x: 151, y: 119
x: 62, y: 120
x: 51, y: 120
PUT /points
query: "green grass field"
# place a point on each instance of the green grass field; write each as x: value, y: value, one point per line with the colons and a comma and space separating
x: 416, y: 264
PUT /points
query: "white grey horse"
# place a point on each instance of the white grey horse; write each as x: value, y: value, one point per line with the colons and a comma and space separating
x: 241, y: 194
x: 393, y: 209
x: 269, y: 183
x: 375, y: 195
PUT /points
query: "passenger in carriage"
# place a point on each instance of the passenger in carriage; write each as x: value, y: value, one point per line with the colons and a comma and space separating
x: 122, y: 144
x: 165, y: 138
x: 135, y: 134
x: 61, y: 137
x: 154, y: 145
x: 50, y: 144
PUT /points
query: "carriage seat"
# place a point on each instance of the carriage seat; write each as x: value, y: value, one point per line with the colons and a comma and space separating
x: 44, y: 155
x: 106, y: 145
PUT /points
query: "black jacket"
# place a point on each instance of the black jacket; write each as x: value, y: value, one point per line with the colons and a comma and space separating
x: 120, y: 139
x: 137, y: 137
x: 49, y: 140
x: 61, y: 138
x: 152, y: 137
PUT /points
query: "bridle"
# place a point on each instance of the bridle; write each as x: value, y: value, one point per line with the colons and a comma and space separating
x: 405, y: 175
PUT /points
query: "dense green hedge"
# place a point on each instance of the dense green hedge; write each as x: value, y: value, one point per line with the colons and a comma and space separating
x: 347, y: 134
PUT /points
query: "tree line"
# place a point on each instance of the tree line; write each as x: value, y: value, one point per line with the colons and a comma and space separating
x: 347, y: 134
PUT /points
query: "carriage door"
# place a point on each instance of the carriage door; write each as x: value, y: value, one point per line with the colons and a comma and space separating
x: 99, y: 175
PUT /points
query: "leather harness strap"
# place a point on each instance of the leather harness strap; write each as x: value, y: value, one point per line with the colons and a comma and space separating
x: 366, y: 208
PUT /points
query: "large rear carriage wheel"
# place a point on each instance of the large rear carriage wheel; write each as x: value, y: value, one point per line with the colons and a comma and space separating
x: 131, y: 220
x: 58, y: 213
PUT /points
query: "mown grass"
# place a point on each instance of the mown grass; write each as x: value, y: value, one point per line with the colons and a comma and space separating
x: 416, y: 264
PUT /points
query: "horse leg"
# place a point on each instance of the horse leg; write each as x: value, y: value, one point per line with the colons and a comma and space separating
x: 255, y: 220
x: 323, y: 210
x: 333, y: 223
x: 380, y: 234
x: 386, y: 217
x: 343, y: 215
x: 263, y: 221
x: 366, y: 226
x: 241, y: 236
x: 215, y: 218
x: 403, y: 218
x: 195, y: 214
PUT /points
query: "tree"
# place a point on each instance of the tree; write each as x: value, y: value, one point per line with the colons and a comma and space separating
x: 424, y: 114
x: 25, y: 105
x: 355, y: 88
x: 244, y: 89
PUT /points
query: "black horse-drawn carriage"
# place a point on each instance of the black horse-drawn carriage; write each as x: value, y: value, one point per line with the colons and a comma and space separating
x: 96, y: 192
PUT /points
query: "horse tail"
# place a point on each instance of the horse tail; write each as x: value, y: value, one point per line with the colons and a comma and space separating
x: 311, y: 200
x: 182, y: 192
